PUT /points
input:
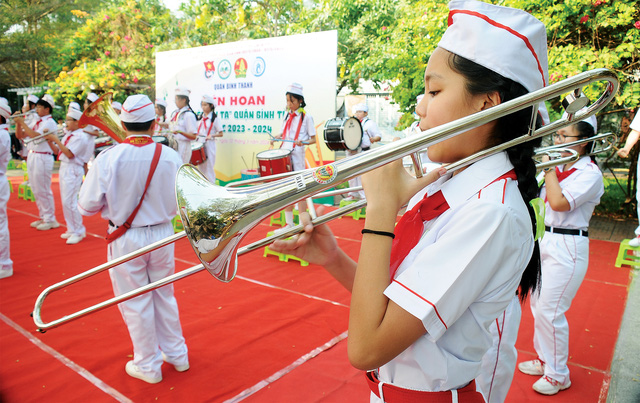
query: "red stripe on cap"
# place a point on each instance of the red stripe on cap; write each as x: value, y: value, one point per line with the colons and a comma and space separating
x: 133, y: 110
x: 506, y: 28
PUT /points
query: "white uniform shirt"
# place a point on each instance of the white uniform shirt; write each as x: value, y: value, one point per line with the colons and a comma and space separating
x: 31, y: 117
x: 185, y: 121
x: 205, y: 128
x: 40, y: 125
x: 635, y: 124
x: 460, y: 276
x: 582, y: 189
x: 80, y: 144
x: 5, y: 149
x: 307, y: 130
x: 369, y: 130
x: 117, y: 178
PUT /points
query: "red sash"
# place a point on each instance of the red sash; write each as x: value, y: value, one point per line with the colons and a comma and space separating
x: 127, y: 224
x: 66, y: 141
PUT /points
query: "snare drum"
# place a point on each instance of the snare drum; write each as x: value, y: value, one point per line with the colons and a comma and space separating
x: 273, y: 162
x: 343, y: 134
x: 161, y: 139
x: 198, y: 156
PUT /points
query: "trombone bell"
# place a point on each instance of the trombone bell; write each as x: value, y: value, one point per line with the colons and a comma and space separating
x: 101, y: 114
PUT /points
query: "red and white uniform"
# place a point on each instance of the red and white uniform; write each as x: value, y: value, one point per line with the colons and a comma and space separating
x: 81, y: 145
x: 40, y: 168
x: 307, y: 130
x: 205, y: 130
x: 461, y: 276
x: 113, y: 187
x: 635, y: 125
x: 185, y: 121
x: 564, y: 264
x: 5, y: 155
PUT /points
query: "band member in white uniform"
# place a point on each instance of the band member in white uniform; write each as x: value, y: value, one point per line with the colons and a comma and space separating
x: 6, y: 264
x: 183, y: 124
x: 571, y: 193
x: 209, y: 129
x: 632, y: 139
x: 370, y: 134
x: 298, y: 130
x: 76, y: 148
x: 117, y: 106
x: 114, y: 187
x: 161, y: 114
x: 40, y: 161
x: 31, y: 116
x: 91, y: 129
x: 423, y: 298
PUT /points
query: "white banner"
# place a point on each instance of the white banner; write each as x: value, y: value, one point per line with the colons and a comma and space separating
x: 248, y: 79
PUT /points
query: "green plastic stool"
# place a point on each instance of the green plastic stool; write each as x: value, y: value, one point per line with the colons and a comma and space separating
x: 626, y: 255
x: 278, y: 219
x: 24, y: 192
x: 356, y: 215
x: 10, y: 185
x: 281, y: 256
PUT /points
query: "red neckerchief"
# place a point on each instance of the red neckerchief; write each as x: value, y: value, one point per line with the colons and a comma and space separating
x: 66, y: 141
x: 35, y: 127
x: 410, y: 227
x: 287, y: 126
x: 175, y: 117
x: 138, y: 141
x: 205, y: 125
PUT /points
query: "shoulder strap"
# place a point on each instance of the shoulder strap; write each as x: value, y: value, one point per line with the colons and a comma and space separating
x: 127, y: 224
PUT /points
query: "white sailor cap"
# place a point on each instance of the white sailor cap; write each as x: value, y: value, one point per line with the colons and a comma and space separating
x: 137, y: 109
x: 295, y: 88
x: 591, y: 119
x: 75, y: 105
x: 5, y: 109
x: 116, y: 105
x: 48, y: 98
x: 505, y: 40
x: 161, y: 102
x: 183, y: 91
x: 209, y: 99
x: 74, y: 113
x: 92, y: 97
x: 33, y: 98
x: 362, y: 107
x: 419, y: 98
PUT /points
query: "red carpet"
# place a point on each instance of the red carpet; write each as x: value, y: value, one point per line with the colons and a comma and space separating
x: 275, y: 333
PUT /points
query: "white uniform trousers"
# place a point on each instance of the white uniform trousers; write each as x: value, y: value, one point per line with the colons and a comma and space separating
x: 5, y: 259
x: 70, y: 182
x: 638, y: 195
x: 40, y: 168
x: 297, y: 159
x: 184, y: 149
x: 353, y: 182
x: 499, y: 362
x: 564, y: 264
x: 207, y: 167
x: 152, y: 318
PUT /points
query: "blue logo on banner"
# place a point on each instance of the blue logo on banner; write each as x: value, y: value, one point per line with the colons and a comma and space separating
x: 224, y: 69
x: 258, y: 67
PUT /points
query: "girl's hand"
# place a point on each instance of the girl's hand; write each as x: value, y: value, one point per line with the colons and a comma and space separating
x: 623, y: 153
x: 316, y: 245
x: 390, y: 187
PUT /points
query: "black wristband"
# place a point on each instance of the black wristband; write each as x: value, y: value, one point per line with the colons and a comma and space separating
x: 383, y: 233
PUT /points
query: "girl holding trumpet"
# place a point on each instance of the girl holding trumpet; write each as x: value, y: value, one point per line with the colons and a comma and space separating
x: 425, y: 293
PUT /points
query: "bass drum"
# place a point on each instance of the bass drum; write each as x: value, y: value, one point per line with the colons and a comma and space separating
x: 343, y: 134
x: 198, y: 156
x: 273, y: 162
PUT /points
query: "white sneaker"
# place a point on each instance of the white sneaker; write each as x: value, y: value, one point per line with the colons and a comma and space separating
x: 179, y: 368
x: 135, y: 372
x: 36, y: 223
x: 549, y: 386
x: 635, y: 242
x: 66, y: 235
x: 4, y: 273
x: 533, y: 367
x: 47, y: 225
x: 74, y: 239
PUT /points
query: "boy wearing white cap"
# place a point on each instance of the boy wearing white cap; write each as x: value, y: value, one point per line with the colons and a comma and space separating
x: 571, y: 193
x: 76, y: 148
x: 424, y: 340
x: 131, y: 185
x: 40, y: 161
x: 91, y: 129
x: 6, y: 265
x: 209, y: 128
x: 297, y: 131
x: 183, y: 123
x: 117, y: 106
x: 370, y: 134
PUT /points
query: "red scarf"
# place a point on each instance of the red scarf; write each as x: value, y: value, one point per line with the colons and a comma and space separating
x: 287, y: 126
x: 66, y: 141
x: 564, y: 174
x: 138, y: 141
x: 204, y: 122
x: 411, y: 225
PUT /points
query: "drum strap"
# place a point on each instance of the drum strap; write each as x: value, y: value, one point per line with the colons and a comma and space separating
x: 288, y: 125
x: 127, y: 224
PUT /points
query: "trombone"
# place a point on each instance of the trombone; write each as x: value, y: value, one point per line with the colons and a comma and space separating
x: 233, y: 212
x: 41, y: 138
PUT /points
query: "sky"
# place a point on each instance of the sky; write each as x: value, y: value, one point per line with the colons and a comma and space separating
x: 173, y: 5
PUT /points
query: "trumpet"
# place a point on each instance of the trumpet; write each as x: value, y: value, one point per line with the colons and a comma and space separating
x: 217, y: 218
x: 41, y: 138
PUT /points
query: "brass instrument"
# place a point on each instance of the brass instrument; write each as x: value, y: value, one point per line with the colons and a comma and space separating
x: 41, y: 138
x: 232, y: 212
x: 101, y: 114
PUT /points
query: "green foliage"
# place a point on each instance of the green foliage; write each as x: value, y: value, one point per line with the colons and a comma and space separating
x: 612, y: 201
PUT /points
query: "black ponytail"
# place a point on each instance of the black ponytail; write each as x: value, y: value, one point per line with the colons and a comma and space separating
x: 585, y: 130
x: 480, y: 80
